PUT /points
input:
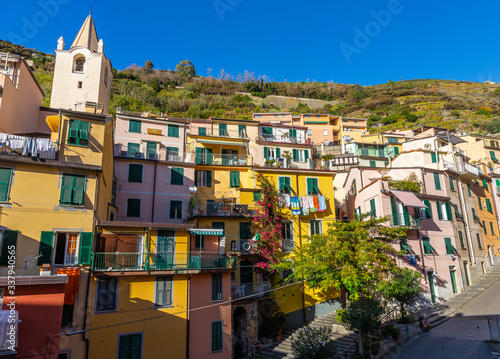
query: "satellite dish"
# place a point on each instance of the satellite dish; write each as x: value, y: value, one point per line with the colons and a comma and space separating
x: 193, y: 189
x: 247, y: 246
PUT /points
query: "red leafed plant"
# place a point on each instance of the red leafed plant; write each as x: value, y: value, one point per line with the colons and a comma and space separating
x: 268, y: 224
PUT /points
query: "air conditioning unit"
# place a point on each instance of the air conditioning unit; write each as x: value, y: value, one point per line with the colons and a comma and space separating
x: 124, y: 153
x: 246, y: 245
x: 152, y: 156
x: 139, y: 155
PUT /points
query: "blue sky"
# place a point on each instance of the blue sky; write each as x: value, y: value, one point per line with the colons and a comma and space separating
x: 364, y: 41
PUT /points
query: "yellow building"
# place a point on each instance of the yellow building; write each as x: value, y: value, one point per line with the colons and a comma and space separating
x: 485, y: 149
x: 394, y: 141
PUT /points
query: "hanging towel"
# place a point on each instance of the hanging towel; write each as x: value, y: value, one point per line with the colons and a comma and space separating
x: 322, y: 203
x: 287, y: 201
x: 281, y: 200
x: 71, y: 288
x: 42, y: 144
x: 294, y: 205
x: 16, y: 142
x: 315, y: 206
x: 305, y: 206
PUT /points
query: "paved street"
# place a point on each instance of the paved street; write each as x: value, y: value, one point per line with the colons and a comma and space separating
x: 460, y: 337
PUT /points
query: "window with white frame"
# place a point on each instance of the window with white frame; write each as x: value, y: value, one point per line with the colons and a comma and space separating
x: 315, y: 227
x: 300, y: 156
x: 66, y: 248
x: 106, y: 294
x: 309, y: 132
x: 325, y: 132
x: 271, y: 152
x: 287, y: 243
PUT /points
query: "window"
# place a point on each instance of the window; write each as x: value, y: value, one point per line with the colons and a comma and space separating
x: 492, y: 229
x: 479, y: 203
x: 256, y: 196
x: 79, y: 63
x: 284, y: 185
x: 292, y: 133
x: 80, y: 84
x: 452, y: 184
x: 234, y: 179
x: 428, y: 249
x: 133, y: 207
x: 242, y: 131
x: 203, y: 178
x: 72, y: 190
x: 176, y: 209
x: 373, y: 164
x: 5, y: 177
x: 479, y: 244
x: 177, y: 176
x: 426, y: 213
x: 484, y: 228
x: 202, y: 131
x: 9, y: 238
x: 437, y: 182
x: 78, y: 133
x: 434, y: 157
x: 133, y: 148
x: 287, y: 243
x: 106, y: 295
x: 199, y: 242
x: 66, y: 249
x: 325, y: 132
x: 444, y: 211
x: 216, y: 336
x: 203, y: 156
x: 449, y: 247
x: 270, y: 152
x: 134, y: 126
x: 461, y: 239
x: 485, y: 184
x: 309, y: 132
x: 151, y: 150
x: 173, y: 131
x: 130, y: 346
x: 373, y: 210
x: 354, y: 188
x: 300, y: 155
x: 245, y: 232
x: 164, y: 293
x: 223, y: 129
x: 488, y: 205
x: 468, y: 189
x: 392, y: 139
x: 312, y: 186
x: 315, y: 227
x: 134, y: 173
x: 216, y: 287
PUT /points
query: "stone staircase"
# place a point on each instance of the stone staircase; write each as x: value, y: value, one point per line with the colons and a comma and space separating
x: 342, y: 337
x: 440, y: 313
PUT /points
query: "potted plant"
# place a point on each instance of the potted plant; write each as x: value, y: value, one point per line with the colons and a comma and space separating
x: 287, y: 156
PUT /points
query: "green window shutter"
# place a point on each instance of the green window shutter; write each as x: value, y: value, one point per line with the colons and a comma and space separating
x: 199, y: 155
x: 491, y: 228
x: 177, y: 176
x: 256, y: 196
x: 281, y: 184
x: 234, y: 179
x: 488, y: 205
x: 433, y: 157
x: 479, y: 244
x: 173, y: 131
x: 267, y: 130
x: 428, y: 210
x: 310, y: 186
x: 452, y: 184
x: 242, y: 131
x: 437, y: 182
x: 66, y: 189
x: 395, y: 219
x: 78, y: 189
x: 85, y: 248
x: 73, y: 131
x: 133, y: 207
x: 484, y: 228
x: 476, y: 182
x: 208, y: 152
x: 373, y: 210
x: 135, y: 173
x: 130, y: 346
x: 266, y: 151
x: 134, y: 126
x: 216, y: 336
x: 396, y: 151
x: 209, y: 178
x: 468, y: 189
x: 202, y: 131
x: 295, y: 155
x: 479, y: 202
x: 293, y: 133
x: 9, y: 238
x: 306, y: 155
x: 84, y: 132
x: 440, y: 214
x: 133, y: 148
x: 150, y: 149
x: 448, y: 211
x: 461, y: 239
x: 373, y: 164
x: 485, y: 183
x: 5, y: 176
x: 222, y: 129
x: 278, y: 152
x: 46, y: 243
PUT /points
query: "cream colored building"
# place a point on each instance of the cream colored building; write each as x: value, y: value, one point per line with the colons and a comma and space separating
x: 82, y: 74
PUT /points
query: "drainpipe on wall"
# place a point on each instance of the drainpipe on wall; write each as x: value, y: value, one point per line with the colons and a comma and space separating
x: 300, y: 244
x: 154, y: 195
x: 472, y: 257
x: 59, y: 132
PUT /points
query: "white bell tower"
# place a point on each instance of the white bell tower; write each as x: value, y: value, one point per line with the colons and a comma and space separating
x: 82, y: 74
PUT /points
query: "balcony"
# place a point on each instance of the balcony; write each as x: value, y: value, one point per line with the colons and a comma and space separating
x: 372, y: 152
x: 136, y: 261
x: 404, y: 220
x: 467, y: 171
x: 221, y: 132
x: 162, y: 155
x: 221, y: 208
x: 265, y: 137
x: 222, y: 159
x: 343, y: 162
x: 255, y: 290
x: 34, y: 147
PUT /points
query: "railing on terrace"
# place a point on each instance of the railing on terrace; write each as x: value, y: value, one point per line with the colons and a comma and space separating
x: 228, y: 133
x: 282, y: 138
x: 162, y: 154
x: 404, y: 220
x: 467, y: 168
x: 381, y: 152
x: 136, y: 261
x: 256, y: 290
x: 222, y: 159
x: 34, y: 147
x: 223, y: 209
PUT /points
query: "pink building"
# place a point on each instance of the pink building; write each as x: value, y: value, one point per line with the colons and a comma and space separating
x: 431, y: 243
x: 153, y: 174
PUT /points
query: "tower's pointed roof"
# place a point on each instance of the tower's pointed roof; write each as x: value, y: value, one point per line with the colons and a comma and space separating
x: 87, y: 36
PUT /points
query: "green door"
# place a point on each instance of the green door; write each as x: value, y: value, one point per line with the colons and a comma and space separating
x: 225, y: 157
x: 466, y: 274
x: 453, y: 281
x: 431, y: 286
x: 165, y: 250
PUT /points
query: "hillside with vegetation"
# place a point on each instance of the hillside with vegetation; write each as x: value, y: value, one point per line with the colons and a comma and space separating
x: 456, y: 105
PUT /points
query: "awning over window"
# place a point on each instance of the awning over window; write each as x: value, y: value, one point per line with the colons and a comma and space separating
x: 207, y: 232
x: 408, y: 198
x: 221, y: 142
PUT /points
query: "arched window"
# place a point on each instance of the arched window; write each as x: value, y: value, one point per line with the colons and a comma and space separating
x: 106, y: 75
x: 79, y: 63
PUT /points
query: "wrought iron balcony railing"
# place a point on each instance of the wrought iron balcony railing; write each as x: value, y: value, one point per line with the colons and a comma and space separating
x: 404, y: 220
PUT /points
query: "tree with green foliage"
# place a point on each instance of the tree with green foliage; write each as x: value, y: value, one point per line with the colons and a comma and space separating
x: 313, y: 343
x: 364, y: 317
x: 409, y: 184
x: 356, y: 255
x: 148, y: 67
x: 405, y: 288
x: 185, y: 69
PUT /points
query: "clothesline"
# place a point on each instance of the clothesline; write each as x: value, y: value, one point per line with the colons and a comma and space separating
x: 303, y: 205
x: 28, y: 145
